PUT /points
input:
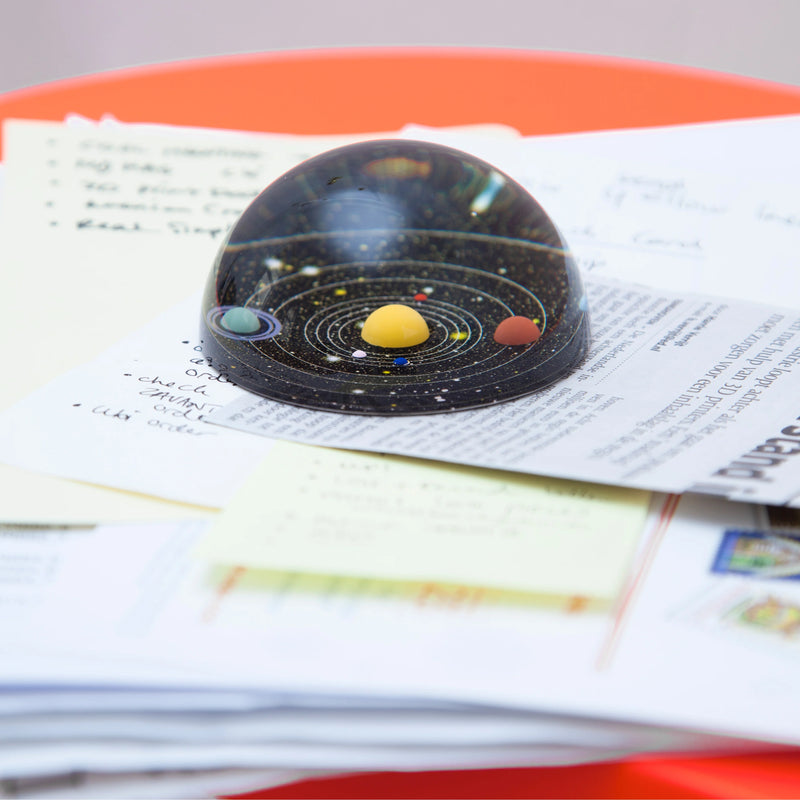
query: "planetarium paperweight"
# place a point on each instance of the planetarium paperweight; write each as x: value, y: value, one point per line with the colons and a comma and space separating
x: 394, y: 277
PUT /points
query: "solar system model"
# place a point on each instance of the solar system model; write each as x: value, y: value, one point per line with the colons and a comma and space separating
x: 394, y: 277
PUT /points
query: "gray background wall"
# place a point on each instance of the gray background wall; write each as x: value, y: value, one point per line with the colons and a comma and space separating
x: 43, y: 40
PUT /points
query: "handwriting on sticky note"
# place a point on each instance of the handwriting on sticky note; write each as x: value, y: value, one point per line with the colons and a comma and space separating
x: 317, y: 510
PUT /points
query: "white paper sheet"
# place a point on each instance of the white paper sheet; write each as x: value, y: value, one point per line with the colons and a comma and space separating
x: 164, y: 621
x: 168, y: 619
x: 720, y: 418
x: 718, y: 200
x: 149, y: 785
x: 156, y: 392
x: 97, y: 756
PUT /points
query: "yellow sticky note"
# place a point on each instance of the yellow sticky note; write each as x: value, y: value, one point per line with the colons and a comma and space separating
x: 324, y: 511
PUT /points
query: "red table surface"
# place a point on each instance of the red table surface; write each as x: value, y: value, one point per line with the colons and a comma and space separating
x: 371, y: 89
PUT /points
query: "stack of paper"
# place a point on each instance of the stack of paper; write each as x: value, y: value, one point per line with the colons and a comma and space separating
x: 231, y: 605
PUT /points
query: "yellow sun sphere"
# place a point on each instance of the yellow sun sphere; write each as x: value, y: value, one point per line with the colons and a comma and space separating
x: 395, y: 325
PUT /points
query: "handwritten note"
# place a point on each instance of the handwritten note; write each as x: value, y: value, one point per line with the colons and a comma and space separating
x: 134, y: 419
x: 333, y: 512
x: 711, y: 209
x: 125, y: 225
x: 142, y: 183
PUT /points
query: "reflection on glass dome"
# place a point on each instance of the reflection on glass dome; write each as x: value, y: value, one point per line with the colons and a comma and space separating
x: 394, y: 277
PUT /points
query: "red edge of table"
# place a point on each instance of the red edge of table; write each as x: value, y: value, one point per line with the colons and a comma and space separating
x: 381, y: 89
x: 372, y: 89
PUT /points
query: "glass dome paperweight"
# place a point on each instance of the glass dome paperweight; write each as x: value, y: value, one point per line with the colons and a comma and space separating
x: 394, y: 277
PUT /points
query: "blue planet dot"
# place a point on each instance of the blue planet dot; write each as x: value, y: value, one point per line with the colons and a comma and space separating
x: 400, y: 361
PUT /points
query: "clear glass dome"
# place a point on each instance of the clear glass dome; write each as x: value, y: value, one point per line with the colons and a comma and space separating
x: 413, y: 236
